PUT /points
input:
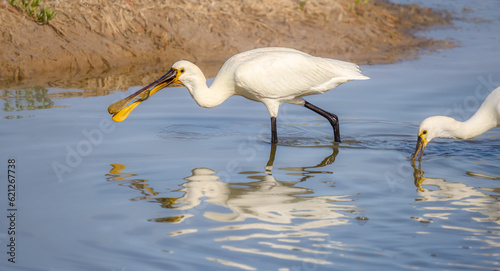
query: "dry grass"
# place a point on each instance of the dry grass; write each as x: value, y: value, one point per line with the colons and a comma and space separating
x: 91, y: 37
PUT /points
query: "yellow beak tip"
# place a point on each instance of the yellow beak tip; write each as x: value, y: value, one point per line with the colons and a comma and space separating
x: 117, y: 118
x: 123, y: 114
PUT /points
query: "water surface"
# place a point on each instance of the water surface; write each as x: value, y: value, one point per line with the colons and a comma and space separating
x: 178, y: 187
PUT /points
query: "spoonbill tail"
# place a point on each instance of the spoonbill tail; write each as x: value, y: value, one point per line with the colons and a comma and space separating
x: 485, y: 118
x: 271, y: 76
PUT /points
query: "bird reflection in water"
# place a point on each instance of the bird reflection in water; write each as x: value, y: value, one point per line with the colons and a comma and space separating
x: 116, y: 174
x: 289, y: 216
x: 265, y: 199
x: 459, y: 197
x: 275, y: 201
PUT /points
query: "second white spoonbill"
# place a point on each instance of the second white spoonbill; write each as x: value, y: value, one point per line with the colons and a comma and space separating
x: 485, y: 118
x: 271, y: 76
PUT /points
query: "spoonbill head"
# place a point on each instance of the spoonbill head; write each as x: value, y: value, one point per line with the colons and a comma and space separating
x: 271, y: 76
x: 485, y: 118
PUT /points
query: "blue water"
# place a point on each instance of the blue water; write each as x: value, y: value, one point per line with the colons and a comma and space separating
x: 179, y: 187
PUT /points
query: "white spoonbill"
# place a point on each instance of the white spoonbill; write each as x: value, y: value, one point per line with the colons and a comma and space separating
x: 485, y: 118
x: 268, y: 75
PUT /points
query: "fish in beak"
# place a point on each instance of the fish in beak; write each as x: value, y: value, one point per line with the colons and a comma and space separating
x: 121, y: 109
x: 421, y: 143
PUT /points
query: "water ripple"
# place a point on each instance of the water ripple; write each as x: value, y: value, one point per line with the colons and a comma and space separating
x: 191, y: 132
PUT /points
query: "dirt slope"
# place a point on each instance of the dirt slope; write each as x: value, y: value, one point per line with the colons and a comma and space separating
x: 123, y: 41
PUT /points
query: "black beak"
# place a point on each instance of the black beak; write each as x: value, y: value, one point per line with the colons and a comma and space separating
x: 419, y: 148
x: 121, y: 110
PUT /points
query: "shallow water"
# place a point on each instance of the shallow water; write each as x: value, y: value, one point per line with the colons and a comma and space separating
x: 178, y: 187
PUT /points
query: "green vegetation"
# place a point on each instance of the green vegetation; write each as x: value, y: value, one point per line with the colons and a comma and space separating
x: 357, y: 3
x: 303, y: 4
x: 25, y: 99
x: 40, y: 14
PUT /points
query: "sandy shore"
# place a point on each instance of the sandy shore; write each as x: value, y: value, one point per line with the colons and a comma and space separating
x: 105, y: 45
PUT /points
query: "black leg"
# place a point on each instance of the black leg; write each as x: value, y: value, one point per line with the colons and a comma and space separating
x: 274, y: 133
x: 332, y: 118
x: 272, y: 154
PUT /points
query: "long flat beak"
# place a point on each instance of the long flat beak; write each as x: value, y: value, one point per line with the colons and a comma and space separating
x: 120, y: 110
x: 421, y: 143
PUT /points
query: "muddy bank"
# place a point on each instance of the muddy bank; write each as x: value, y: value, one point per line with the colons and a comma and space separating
x: 105, y: 45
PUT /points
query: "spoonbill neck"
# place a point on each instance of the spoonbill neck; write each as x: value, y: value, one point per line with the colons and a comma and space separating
x: 473, y: 127
x: 205, y: 96
x: 477, y: 125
